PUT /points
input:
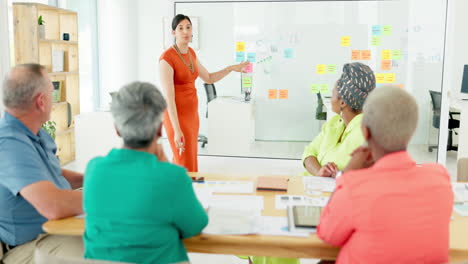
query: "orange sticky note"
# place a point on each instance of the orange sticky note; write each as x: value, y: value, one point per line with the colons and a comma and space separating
x: 355, y: 55
x: 365, y: 54
x: 272, y: 94
x: 389, y: 77
x: 402, y: 86
x: 380, y: 77
x: 321, y: 69
x: 386, y: 54
x: 386, y: 65
x: 283, y: 94
x: 345, y: 41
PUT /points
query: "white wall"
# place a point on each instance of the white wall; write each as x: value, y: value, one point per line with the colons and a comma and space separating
x: 118, y: 45
x: 4, y: 45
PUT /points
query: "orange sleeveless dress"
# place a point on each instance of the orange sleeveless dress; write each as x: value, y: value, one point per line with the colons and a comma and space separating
x: 187, y: 108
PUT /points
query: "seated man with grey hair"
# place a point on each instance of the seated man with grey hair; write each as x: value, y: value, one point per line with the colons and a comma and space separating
x: 138, y: 206
x: 33, y: 187
x: 386, y: 208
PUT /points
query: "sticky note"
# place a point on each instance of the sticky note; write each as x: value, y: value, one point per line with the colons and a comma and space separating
x: 314, y: 88
x: 401, y: 86
x: 376, y: 41
x: 321, y: 69
x: 283, y: 94
x: 386, y: 54
x: 365, y: 54
x: 380, y: 78
x: 396, y: 54
x: 345, y: 41
x: 272, y: 94
x: 387, y: 30
x: 288, y: 53
x: 324, y: 88
x: 331, y: 68
x: 251, y: 56
x: 355, y: 55
x: 246, y: 82
x: 240, y: 56
x: 240, y: 46
x: 249, y: 68
x: 389, y: 77
x: 386, y: 65
x: 376, y: 30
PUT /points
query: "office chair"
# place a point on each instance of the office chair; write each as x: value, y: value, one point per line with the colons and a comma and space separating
x: 319, y: 113
x: 210, y: 96
x: 436, y: 98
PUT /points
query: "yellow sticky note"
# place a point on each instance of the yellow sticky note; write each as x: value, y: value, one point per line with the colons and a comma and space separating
x: 365, y: 54
x: 380, y: 77
x: 321, y: 69
x: 283, y: 94
x: 386, y: 54
x: 345, y: 41
x: 272, y: 94
x: 389, y: 77
x: 240, y: 46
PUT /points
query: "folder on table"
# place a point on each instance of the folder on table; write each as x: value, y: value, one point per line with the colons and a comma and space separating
x: 267, y: 183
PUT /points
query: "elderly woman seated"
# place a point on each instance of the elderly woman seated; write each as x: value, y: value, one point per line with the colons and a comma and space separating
x: 138, y: 206
x: 386, y: 208
x: 330, y: 151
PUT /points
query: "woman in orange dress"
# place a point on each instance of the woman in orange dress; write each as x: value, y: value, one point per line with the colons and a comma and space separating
x: 179, y: 68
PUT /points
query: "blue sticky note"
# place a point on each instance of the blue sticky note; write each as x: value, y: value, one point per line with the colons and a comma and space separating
x: 288, y: 53
x: 376, y: 30
x: 251, y: 56
x: 240, y: 56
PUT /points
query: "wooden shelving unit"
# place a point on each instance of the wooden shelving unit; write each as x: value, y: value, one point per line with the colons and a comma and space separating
x: 29, y: 48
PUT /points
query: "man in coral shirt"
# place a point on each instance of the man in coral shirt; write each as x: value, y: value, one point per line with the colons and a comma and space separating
x: 387, y: 209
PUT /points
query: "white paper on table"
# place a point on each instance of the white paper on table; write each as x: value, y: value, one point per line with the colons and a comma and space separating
x: 237, y: 202
x: 223, y: 221
x: 317, y: 201
x: 204, y: 195
x: 276, y: 226
x: 460, y: 191
x: 324, y: 184
x: 80, y: 216
x: 228, y: 186
x: 461, y: 209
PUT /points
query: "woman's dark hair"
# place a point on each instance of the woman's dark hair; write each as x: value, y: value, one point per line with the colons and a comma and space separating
x: 177, y: 19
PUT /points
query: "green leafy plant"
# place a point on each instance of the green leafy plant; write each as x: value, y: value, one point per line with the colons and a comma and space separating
x: 40, y: 21
x: 50, y: 128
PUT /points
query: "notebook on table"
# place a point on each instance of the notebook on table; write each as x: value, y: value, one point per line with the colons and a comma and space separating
x: 268, y: 183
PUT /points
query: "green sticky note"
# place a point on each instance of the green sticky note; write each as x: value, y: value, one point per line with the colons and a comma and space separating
x: 246, y: 82
x: 396, y: 54
x: 331, y: 68
x: 324, y: 88
x: 376, y: 41
x: 314, y: 88
x: 387, y: 30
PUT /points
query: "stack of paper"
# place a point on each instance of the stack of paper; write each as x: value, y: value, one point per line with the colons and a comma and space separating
x: 319, y: 184
x: 223, y: 221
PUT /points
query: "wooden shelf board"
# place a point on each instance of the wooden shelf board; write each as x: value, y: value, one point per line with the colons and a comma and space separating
x: 63, y: 73
x: 54, y: 41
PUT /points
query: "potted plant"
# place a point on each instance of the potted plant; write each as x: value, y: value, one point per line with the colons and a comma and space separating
x: 41, y: 28
x: 49, y: 127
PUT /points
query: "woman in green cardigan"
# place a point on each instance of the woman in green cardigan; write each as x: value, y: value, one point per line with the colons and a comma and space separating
x: 138, y: 206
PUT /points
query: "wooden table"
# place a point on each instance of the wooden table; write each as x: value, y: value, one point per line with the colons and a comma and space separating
x: 266, y: 245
